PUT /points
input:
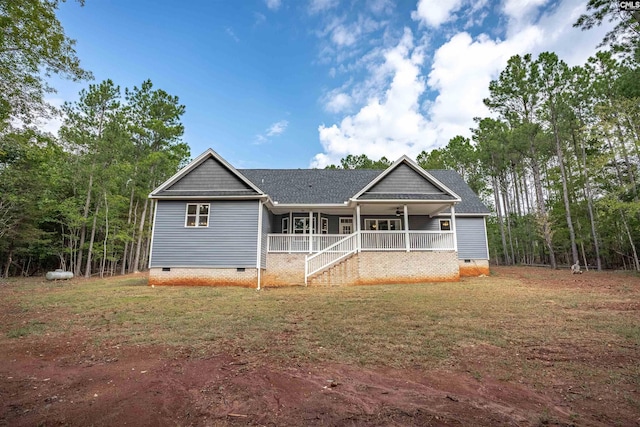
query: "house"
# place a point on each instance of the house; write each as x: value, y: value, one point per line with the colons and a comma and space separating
x: 218, y: 225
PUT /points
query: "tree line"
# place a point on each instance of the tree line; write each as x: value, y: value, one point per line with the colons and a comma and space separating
x: 558, y: 162
x: 78, y: 200
x: 559, y: 159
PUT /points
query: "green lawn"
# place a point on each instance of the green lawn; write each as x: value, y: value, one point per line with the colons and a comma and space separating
x: 394, y: 325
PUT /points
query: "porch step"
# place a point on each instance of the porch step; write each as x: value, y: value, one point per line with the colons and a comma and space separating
x: 343, y: 273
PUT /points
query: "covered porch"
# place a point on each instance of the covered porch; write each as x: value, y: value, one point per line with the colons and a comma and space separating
x: 373, y: 226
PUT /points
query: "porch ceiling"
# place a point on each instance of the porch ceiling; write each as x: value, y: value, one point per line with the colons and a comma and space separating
x: 329, y: 210
x: 373, y: 208
x: 412, y: 208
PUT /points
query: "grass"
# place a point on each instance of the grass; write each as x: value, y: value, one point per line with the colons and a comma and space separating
x: 33, y: 327
x: 396, y: 325
x: 548, y: 333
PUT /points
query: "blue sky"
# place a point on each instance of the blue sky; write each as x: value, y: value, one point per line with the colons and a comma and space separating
x: 299, y: 83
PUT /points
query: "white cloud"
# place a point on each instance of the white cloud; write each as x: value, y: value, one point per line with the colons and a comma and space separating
x: 342, y: 36
x: 338, y: 102
x: 434, y: 13
x: 277, y: 128
x: 463, y: 67
x: 389, y: 120
x: 273, y: 4
x: 316, y: 6
x: 390, y: 125
x: 519, y: 9
x: 346, y: 34
x: 380, y: 6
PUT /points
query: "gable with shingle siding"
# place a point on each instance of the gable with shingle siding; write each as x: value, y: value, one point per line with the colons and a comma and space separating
x: 403, y: 180
x: 210, y: 175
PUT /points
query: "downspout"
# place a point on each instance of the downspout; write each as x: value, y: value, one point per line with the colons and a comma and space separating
x: 406, y: 228
x: 259, y: 248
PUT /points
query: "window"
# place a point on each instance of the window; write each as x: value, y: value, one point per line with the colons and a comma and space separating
x: 346, y: 225
x: 301, y: 225
x: 197, y: 215
x: 285, y: 225
x: 324, y: 225
x: 382, y: 224
x: 445, y: 225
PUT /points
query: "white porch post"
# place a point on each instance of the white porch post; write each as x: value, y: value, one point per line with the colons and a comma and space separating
x: 359, y: 240
x: 310, y: 231
x: 453, y: 227
x: 406, y: 228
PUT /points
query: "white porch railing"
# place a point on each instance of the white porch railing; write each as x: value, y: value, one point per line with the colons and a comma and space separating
x: 331, y: 255
x: 370, y: 241
x: 291, y: 243
x: 431, y: 240
x: 418, y: 240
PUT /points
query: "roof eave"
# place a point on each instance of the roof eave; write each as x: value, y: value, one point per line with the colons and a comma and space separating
x: 402, y: 201
x: 177, y: 197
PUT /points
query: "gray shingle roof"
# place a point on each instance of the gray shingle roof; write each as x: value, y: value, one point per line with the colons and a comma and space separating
x: 310, y: 186
x: 336, y: 186
x: 470, y: 203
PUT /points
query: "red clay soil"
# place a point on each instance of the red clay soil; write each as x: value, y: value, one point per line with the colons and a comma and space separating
x: 68, y: 384
x: 72, y: 381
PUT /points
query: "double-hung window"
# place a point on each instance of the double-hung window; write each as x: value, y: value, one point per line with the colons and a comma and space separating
x: 197, y: 215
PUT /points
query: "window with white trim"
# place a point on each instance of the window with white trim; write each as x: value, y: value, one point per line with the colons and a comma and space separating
x: 301, y: 225
x: 445, y: 225
x: 197, y: 215
x: 382, y: 224
x: 324, y: 225
x: 285, y: 225
x: 346, y: 225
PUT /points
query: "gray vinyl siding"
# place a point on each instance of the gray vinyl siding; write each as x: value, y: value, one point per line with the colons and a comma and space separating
x: 210, y: 175
x: 472, y: 238
x: 230, y: 240
x: 267, y: 219
x: 404, y: 180
x: 423, y: 223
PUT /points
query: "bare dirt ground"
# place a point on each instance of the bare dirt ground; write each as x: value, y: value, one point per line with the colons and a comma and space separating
x: 71, y: 380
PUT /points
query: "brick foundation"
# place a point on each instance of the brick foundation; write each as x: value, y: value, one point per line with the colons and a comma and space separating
x: 365, y: 268
x: 475, y: 268
x: 181, y: 276
x: 371, y: 268
x: 284, y: 270
x: 407, y: 267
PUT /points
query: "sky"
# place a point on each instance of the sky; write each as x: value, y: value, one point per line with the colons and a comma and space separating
x: 304, y: 83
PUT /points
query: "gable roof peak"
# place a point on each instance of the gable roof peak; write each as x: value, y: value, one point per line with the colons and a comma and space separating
x: 404, y: 159
x: 209, y: 153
